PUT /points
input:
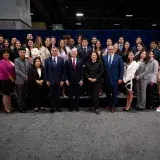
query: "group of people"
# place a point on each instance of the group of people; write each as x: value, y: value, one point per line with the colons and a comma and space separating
x: 36, y: 68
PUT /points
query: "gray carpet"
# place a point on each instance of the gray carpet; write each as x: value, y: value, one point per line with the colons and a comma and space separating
x: 80, y: 136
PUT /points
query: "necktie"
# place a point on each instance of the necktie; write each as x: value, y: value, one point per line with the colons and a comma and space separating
x: 110, y: 60
x: 85, y: 50
x: 54, y: 60
x: 74, y: 63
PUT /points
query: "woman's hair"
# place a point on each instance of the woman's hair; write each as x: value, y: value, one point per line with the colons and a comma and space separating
x: 59, y: 47
x: 98, y: 57
x: 144, y: 48
x: 129, y: 49
x: 3, y: 52
x: 150, y: 52
x: 145, y: 59
x: 127, y: 59
x: 96, y: 46
x: 34, y: 61
x: 30, y: 53
x: 4, y: 42
x: 36, y: 40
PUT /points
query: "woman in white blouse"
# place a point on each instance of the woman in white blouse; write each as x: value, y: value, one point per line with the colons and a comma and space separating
x: 31, y: 51
x: 43, y: 51
x: 62, y: 50
x: 129, y: 73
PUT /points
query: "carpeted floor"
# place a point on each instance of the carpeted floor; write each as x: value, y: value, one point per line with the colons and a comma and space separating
x: 80, y: 136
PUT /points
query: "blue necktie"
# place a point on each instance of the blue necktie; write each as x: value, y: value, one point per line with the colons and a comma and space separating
x: 110, y: 60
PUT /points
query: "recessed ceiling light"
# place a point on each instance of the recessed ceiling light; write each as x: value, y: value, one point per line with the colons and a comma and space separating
x: 78, y: 24
x: 79, y: 14
x: 154, y: 25
x: 66, y: 6
x: 129, y: 15
x: 116, y: 24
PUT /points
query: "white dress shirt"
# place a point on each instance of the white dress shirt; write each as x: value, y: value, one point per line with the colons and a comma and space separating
x: 112, y: 56
x: 75, y: 60
x: 55, y: 59
x: 39, y: 72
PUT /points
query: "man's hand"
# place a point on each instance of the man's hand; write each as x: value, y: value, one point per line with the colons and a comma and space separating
x: 67, y: 83
x: 48, y: 83
x: 61, y: 83
x: 120, y: 81
x: 94, y: 80
x: 81, y: 83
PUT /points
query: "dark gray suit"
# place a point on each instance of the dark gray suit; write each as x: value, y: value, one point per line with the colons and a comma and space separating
x: 21, y: 68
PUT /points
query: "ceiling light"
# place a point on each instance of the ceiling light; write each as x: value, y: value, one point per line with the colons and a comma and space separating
x: 78, y: 24
x: 66, y: 7
x: 31, y: 14
x: 154, y: 25
x: 116, y: 24
x: 129, y: 15
x: 79, y: 14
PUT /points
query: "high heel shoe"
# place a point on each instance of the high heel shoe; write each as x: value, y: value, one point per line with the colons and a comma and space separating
x: 126, y: 110
x: 7, y: 110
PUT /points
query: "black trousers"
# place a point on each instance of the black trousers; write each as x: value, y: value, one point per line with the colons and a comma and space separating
x: 150, y: 95
x: 21, y: 96
x: 94, y: 93
x: 74, y: 90
x: 38, y: 95
x: 55, y: 96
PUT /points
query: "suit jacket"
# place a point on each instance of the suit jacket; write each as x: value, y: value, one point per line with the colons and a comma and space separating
x: 95, y: 70
x: 33, y: 74
x: 116, y: 71
x: 22, y: 69
x: 84, y: 56
x: 129, y: 72
x: 74, y: 75
x: 144, y: 70
x: 54, y: 73
x: 152, y: 71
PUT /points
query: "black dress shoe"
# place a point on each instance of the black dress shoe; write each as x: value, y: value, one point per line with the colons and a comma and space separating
x: 70, y: 110
x: 51, y: 111
x: 77, y: 109
x: 97, y: 111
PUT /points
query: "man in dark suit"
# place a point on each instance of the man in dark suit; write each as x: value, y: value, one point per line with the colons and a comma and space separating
x: 74, y: 78
x: 84, y: 52
x: 22, y: 67
x: 153, y: 47
x: 114, y: 70
x: 54, y: 76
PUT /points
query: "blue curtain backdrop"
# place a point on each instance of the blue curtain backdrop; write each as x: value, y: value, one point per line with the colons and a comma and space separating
x: 147, y: 35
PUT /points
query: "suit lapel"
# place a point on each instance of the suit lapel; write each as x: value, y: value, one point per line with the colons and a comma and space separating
x: 114, y: 59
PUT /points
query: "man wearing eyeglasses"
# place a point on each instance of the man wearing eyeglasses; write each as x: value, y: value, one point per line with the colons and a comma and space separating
x: 114, y: 70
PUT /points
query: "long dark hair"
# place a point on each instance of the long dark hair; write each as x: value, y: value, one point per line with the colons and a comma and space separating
x: 30, y: 53
x: 145, y: 59
x: 59, y: 47
x: 4, y: 45
x: 34, y: 61
x: 129, y: 49
x: 127, y: 59
x: 98, y: 57
x: 100, y: 46
x: 149, y: 53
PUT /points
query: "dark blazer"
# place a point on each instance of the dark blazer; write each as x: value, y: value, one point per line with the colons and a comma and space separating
x: 82, y: 55
x: 54, y: 73
x: 33, y: 74
x: 95, y: 70
x: 74, y: 75
x: 116, y: 71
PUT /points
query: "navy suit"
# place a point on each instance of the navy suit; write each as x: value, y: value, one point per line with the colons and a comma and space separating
x: 112, y: 74
x: 84, y: 56
x: 74, y: 76
x: 54, y: 73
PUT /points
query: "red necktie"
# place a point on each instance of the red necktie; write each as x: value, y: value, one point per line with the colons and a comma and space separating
x: 74, y: 63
